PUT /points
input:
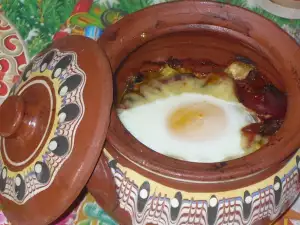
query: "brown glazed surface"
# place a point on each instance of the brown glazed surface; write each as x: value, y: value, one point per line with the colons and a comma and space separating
x: 49, y: 204
x: 215, y: 32
x: 106, y: 195
x: 31, y: 126
x: 13, y: 117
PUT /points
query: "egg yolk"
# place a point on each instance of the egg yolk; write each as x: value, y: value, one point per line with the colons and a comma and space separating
x: 200, y: 121
x: 184, y: 117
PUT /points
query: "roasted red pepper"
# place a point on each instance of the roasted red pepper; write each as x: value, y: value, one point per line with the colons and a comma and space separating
x: 262, y: 97
x: 265, y: 128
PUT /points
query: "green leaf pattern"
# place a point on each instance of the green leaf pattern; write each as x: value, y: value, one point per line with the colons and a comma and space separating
x: 38, y: 20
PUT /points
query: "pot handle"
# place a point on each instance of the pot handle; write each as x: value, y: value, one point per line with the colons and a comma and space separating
x: 102, y: 186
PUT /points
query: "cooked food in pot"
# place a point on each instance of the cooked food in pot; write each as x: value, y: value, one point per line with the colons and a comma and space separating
x: 201, y: 112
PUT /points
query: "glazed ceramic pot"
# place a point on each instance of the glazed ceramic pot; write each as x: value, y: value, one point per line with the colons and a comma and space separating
x: 151, y: 188
x: 57, y: 117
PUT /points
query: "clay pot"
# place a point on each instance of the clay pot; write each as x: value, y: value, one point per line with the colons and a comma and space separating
x: 131, y: 182
x: 152, y: 188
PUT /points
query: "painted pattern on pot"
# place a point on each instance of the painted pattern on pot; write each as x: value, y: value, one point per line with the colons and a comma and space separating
x: 57, y: 76
x: 150, y: 202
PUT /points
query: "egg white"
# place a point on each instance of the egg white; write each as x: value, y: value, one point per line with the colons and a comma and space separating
x: 148, y: 124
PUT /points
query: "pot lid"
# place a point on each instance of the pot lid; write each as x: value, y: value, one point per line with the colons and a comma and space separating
x: 52, y: 128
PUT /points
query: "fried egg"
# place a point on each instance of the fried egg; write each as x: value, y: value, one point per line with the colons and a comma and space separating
x: 190, y: 126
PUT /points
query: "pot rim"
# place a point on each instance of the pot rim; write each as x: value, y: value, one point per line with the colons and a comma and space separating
x: 117, y: 36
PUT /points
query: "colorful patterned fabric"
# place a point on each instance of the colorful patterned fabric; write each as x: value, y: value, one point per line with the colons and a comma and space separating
x: 38, y: 22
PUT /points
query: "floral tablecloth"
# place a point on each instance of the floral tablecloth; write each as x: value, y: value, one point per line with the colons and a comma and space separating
x: 39, y: 22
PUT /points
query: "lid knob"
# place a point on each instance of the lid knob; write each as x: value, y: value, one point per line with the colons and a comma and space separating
x: 11, y: 115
